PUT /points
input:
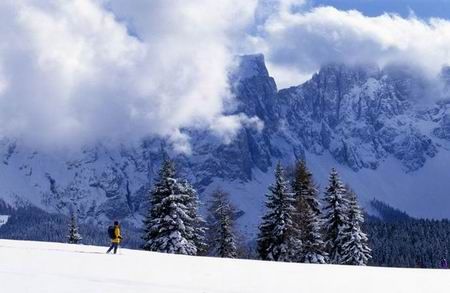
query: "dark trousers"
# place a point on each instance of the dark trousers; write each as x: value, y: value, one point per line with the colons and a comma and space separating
x: 113, y: 245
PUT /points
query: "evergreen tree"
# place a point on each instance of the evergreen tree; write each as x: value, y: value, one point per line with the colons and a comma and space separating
x: 169, y: 226
x: 74, y: 236
x: 222, y: 236
x: 336, y: 220
x: 355, y: 250
x: 278, y: 235
x: 199, y: 225
x: 304, y: 187
x: 308, y: 216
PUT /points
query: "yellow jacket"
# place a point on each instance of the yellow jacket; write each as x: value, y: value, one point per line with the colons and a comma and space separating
x: 117, y: 235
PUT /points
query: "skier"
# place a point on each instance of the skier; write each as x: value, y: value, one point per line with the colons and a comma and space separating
x: 114, y: 234
x: 444, y: 264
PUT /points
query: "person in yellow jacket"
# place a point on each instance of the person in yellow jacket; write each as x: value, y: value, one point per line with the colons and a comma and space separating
x: 115, y: 238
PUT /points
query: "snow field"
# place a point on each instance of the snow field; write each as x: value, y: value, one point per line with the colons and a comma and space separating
x: 36, y: 267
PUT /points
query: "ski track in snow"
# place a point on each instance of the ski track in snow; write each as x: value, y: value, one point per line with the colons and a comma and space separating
x: 36, y: 267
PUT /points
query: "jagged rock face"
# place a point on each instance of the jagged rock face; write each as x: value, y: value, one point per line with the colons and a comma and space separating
x: 101, y: 183
x: 441, y: 114
x: 256, y: 94
x: 360, y: 115
x: 443, y: 131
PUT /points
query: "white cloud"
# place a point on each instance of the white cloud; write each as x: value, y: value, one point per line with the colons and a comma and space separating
x: 229, y: 126
x: 77, y: 71
x: 298, y: 42
x: 72, y: 72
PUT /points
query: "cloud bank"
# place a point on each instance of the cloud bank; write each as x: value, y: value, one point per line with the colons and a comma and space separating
x: 297, y: 43
x: 74, y: 72
x: 83, y: 70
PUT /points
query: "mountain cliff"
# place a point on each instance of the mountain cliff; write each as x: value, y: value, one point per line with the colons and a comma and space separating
x: 386, y: 130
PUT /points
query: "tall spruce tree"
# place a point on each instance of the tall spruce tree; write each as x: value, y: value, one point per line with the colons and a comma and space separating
x: 199, y: 225
x: 278, y: 236
x: 169, y: 226
x: 308, y: 216
x: 74, y: 236
x: 336, y: 221
x: 222, y: 237
x: 356, y: 251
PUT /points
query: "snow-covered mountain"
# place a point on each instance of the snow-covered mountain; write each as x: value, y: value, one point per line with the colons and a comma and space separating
x: 386, y: 130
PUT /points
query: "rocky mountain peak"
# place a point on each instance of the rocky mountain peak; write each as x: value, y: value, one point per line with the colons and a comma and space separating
x: 358, y: 116
x: 250, y: 66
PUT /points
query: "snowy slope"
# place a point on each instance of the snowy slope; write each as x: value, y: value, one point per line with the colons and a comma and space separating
x: 51, y: 267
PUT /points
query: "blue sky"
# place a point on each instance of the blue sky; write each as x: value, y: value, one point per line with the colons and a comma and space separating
x: 422, y: 8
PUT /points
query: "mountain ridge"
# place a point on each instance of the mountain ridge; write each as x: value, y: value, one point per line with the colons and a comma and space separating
x: 361, y: 119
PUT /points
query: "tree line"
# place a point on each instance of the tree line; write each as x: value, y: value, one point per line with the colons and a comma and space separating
x: 399, y: 240
x: 294, y: 228
x: 396, y: 239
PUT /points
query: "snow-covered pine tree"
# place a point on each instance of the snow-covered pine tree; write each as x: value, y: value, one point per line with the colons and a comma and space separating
x: 308, y: 216
x: 168, y: 226
x: 355, y: 250
x: 336, y: 220
x: 222, y: 235
x: 74, y: 236
x: 278, y: 236
x: 199, y: 225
